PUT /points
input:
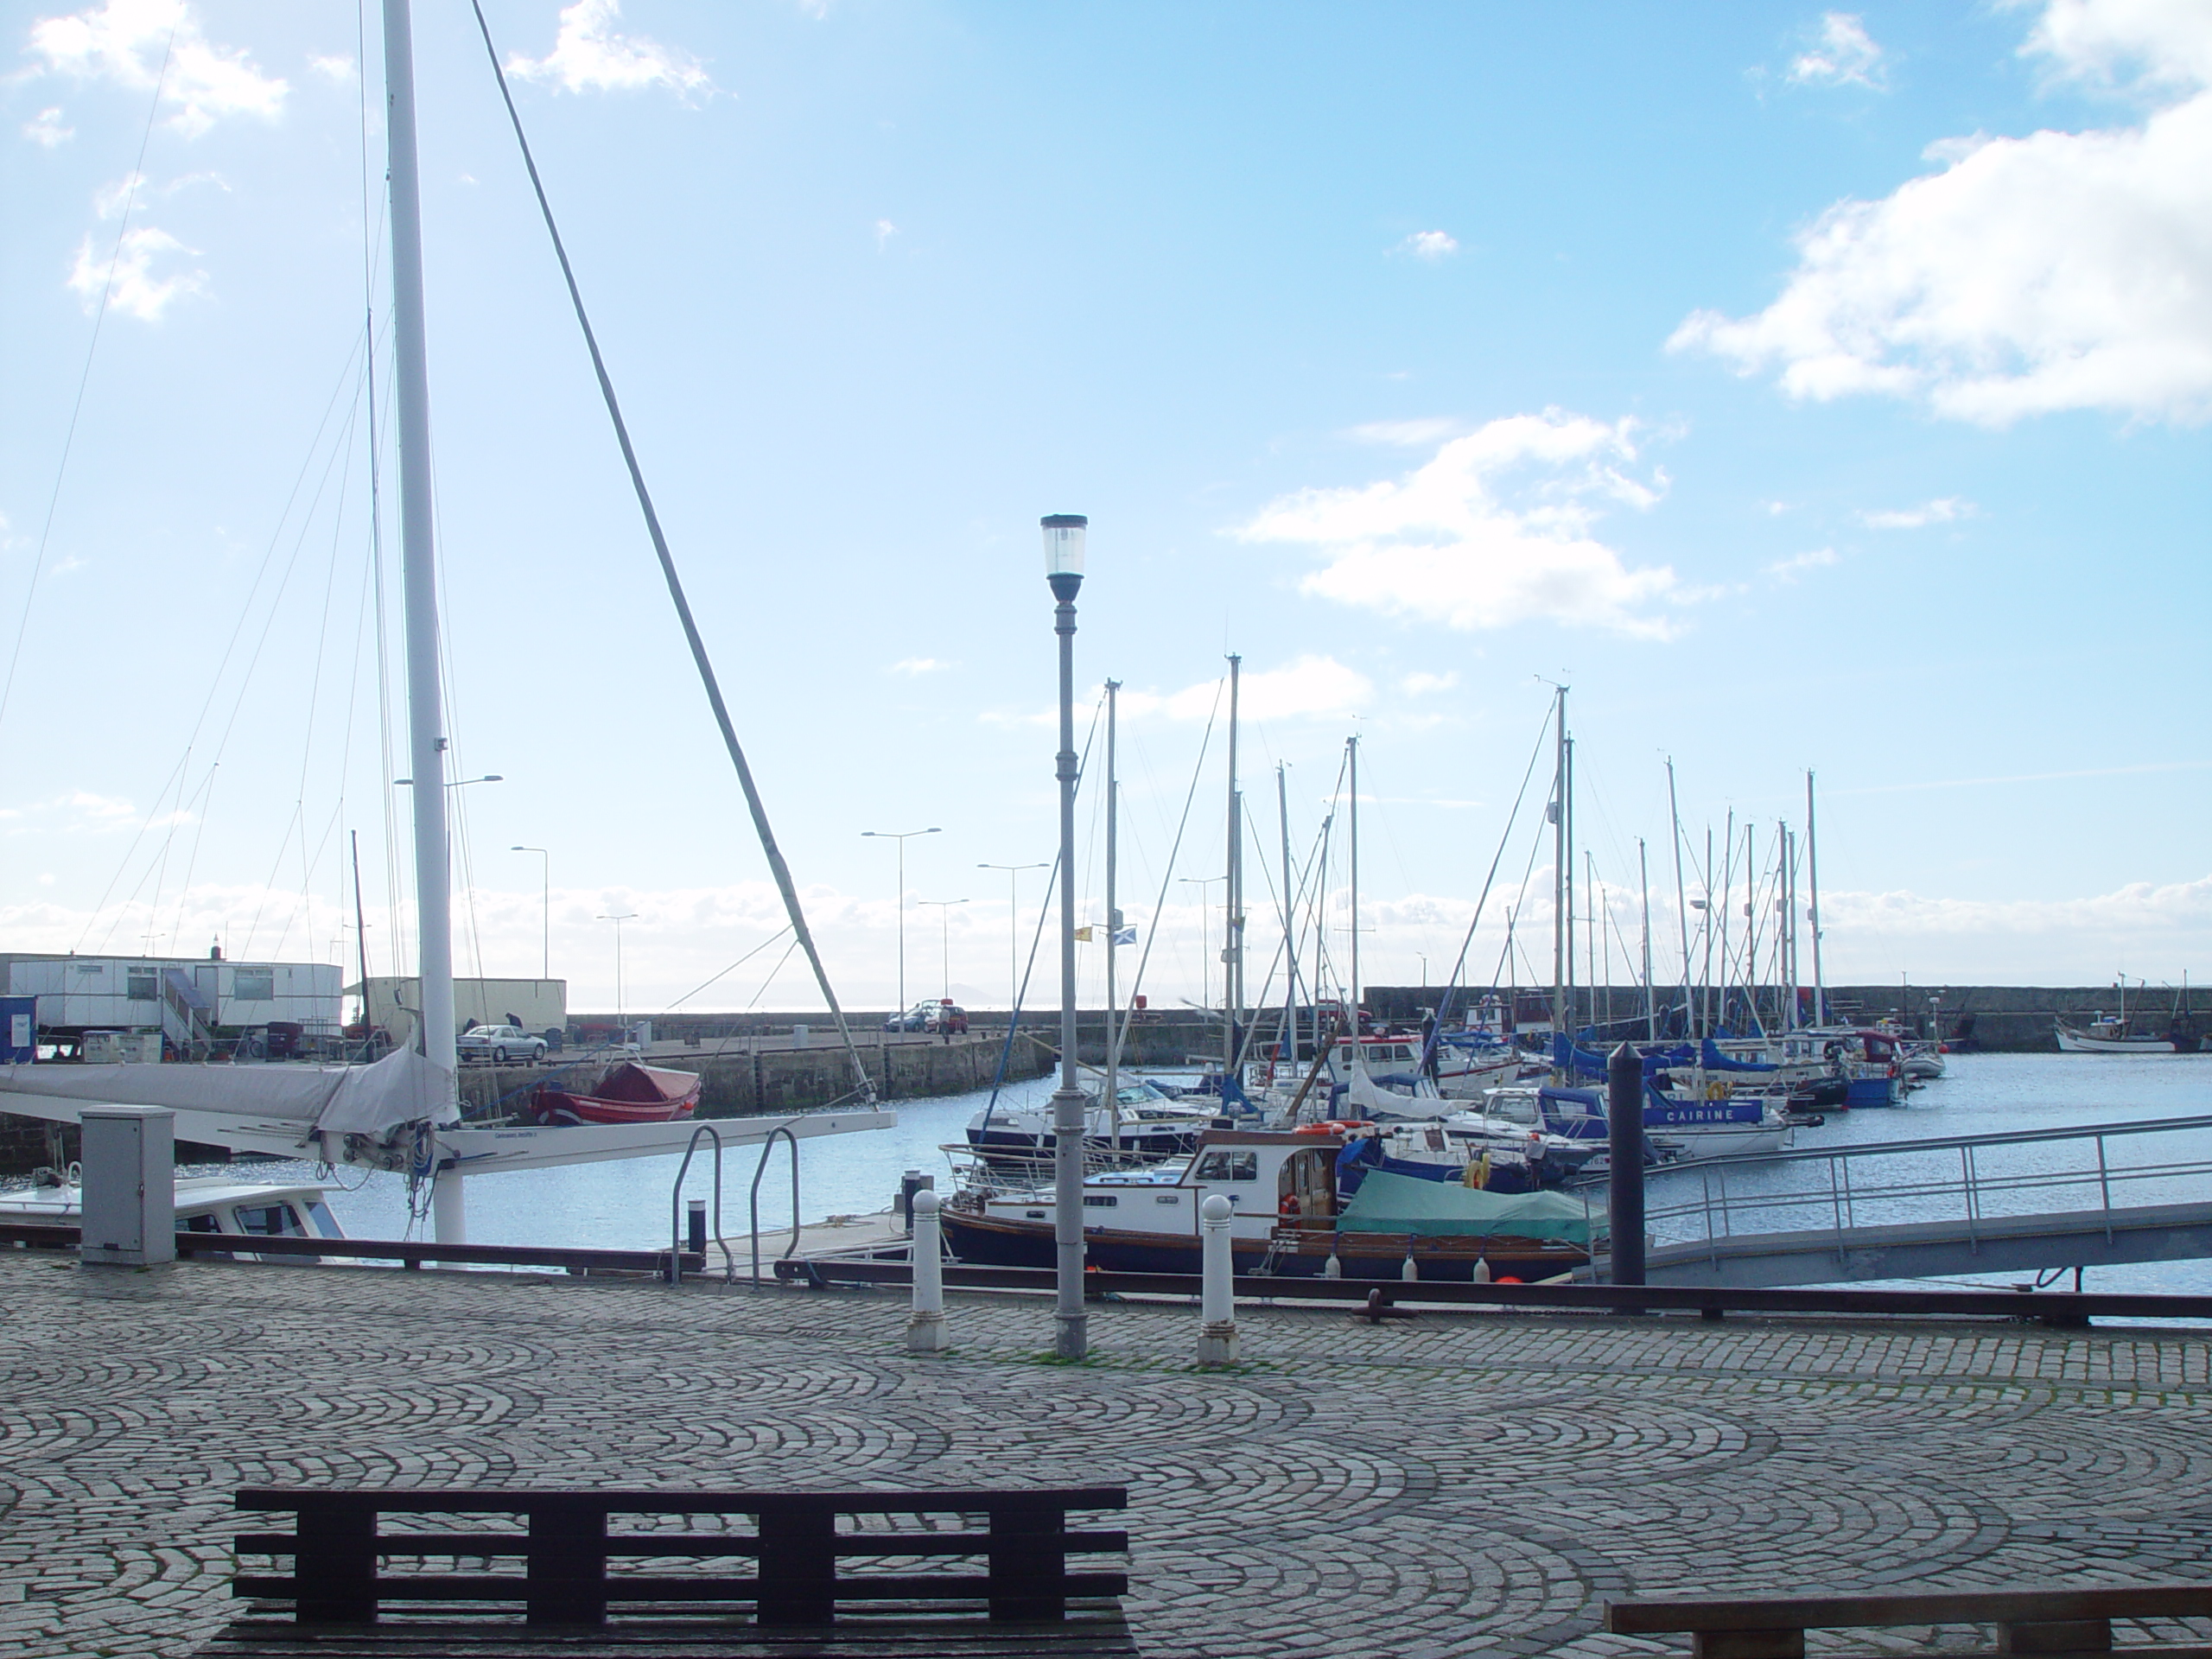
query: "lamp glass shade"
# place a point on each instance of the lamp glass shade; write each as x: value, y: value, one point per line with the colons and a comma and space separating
x: 1063, y: 534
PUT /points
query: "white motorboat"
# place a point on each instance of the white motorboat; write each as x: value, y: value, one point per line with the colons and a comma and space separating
x: 204, y: 1204
x: 1147, y: 1124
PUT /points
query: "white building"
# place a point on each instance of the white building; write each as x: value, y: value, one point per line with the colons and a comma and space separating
x: 537, y: 1004
x: 184, y: 998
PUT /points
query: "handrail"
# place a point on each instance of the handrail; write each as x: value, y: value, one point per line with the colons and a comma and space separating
x: 768, y: 1145
x: 676, y: 1208
x: 2014, y: 1137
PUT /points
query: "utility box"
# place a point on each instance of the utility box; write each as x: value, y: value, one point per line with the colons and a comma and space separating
x: 18, y: 1030
x: 129, y: 1186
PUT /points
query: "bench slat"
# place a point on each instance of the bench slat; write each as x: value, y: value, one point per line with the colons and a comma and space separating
x: 520, y: 1500
x: 703, y: 1545
x: 1927, y: 1607
x: 861, y: 1587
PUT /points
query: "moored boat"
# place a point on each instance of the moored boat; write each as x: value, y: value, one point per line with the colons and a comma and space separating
x: 631, y: 1093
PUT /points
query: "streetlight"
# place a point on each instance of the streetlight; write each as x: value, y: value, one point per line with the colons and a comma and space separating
x: 1202, y: 882
x: 545, y: 970
x: 944, y: 927
x: 1012, y: 925
x: 1064, y: 538
x: 902, y: 836
x: 621, y: 1020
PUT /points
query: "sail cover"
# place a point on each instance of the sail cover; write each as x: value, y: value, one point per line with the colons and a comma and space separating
x: 1407, y: 1204
x: 401, y: 1087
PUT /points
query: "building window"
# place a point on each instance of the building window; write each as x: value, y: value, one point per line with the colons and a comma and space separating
x: 143, y: 985
x: 253, y: 985
x: 91, y: 968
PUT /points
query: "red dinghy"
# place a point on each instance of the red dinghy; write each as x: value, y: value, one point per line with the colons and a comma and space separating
x: 629, y: 1094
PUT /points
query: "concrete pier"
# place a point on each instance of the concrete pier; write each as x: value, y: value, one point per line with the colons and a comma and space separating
x: 1455, y: 1484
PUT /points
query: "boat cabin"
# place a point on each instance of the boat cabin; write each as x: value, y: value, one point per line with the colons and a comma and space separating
x: 214, y: 1204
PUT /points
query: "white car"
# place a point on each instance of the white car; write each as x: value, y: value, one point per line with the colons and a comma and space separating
x: 500, y: 1045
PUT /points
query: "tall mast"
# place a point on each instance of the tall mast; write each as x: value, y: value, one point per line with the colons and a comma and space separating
x: 1112, y: 927
x: 1590, y: 934
x: 1566, y: 865
x: 1727, y: 899
x: 418, y: 573
x: 1681, y: 894
x: 1705, y: 985
x: 1813, y: 880
x: 1788, y: 907
x: 1643, y: 889
x: 1352, y: 749
x: 1232, y: 935
x: 1288, y: 1048
x: 1559, y: 873
x: 360, y: 926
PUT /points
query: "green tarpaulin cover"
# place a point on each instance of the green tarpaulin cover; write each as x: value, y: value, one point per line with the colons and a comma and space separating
x: 1406, y: 1204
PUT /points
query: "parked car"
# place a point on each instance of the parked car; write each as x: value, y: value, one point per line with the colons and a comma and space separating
x: 500, y: 1045
x: 945, y: 1019
x: 917, y: 1017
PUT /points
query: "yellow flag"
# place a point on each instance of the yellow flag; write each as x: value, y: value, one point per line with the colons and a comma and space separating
x: 1083, y: 936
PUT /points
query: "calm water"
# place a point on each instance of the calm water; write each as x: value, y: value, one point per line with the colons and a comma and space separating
x: 627, y: 1204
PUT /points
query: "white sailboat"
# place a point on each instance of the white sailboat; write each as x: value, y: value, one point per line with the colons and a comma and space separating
x: 403, y: 1113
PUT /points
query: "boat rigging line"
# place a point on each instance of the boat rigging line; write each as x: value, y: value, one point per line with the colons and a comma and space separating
x: 752, y: 801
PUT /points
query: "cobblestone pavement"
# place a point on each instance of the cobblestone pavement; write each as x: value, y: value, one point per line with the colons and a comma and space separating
x: 1471, y: 1482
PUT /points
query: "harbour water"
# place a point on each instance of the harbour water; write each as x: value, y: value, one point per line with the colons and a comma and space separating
x: 627, y: 1205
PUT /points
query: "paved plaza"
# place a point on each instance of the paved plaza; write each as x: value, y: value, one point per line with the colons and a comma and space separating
x: 1464, y: 1482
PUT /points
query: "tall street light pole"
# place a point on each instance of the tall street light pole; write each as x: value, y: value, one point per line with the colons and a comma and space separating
x: 944, y: 929
x: 545, y: 970
x: 902, y: 836
x: 1013, y: 929
x: 621, y: 1018
x: 1064, y: 538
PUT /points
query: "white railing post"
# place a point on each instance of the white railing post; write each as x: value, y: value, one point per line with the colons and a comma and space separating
x: 925, y: 1325
x: 1217, y: 1299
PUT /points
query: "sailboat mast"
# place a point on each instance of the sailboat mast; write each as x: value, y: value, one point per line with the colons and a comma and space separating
x: 1113, y: 927
x: 1351, y: 750
x: 1559, y: 871
x: 361, y: 927
x: 1813, y: 881
x: 1681, y: 896
x: 1643, y: 889
x: 1288, y: 1048
x: 419, y: 582
x: 1566, y: 865
x: 1232, y: 933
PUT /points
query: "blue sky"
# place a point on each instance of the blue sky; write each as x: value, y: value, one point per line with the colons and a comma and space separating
x: 1807, y: 389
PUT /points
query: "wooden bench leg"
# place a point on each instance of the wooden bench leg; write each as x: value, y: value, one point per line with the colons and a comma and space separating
x: 335, y: 1568
x: 1747, y: 1644
x: 1028, y: 1550
x: 567, y: 1562
x: 798, y: 1567
x: 2057, y: 1636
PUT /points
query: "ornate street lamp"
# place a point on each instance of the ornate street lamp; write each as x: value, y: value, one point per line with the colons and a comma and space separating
x: 1063, y: 539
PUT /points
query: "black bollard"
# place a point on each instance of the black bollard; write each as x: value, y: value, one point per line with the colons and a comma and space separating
x: 1624, y: 1146
x: 696, y: 1228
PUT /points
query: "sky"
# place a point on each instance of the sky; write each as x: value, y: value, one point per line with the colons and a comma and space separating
x: 1806, y: 391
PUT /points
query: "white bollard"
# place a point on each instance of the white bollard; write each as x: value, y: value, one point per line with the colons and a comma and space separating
x: 925, y: 1325
x: 1217, y: 1297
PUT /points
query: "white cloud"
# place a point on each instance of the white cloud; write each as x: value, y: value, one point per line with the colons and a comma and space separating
x: 125, y: 40
x: 1421, y: 684
x: 1410, y: 434
x: 1309, y: 687
x: 1429, y: 245
x: 1791, y: 569
x: 67, y: 563
x: 2024, y: 275
x: 588, y: 55
x: 46, y: 130
x: 1492, y: 532
x: 918, y: 666
x: 885, y: 230
x: 135, y: 290
x: 1845, y: 54
x: 339, y: 68
x: 1947, y: 510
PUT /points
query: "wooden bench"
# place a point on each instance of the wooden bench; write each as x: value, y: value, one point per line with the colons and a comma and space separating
x: 2043, y: 1621
x: 344, y: 1601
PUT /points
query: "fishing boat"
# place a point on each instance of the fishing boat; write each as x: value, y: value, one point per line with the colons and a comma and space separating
x: 631, y: 1093
x: 1288, y: 1218
x: 2112, y: 1034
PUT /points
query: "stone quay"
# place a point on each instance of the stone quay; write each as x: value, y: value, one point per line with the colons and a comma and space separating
x: 1462, y: 1482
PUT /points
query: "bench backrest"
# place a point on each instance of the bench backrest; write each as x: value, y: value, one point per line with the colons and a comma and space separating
x: 2027, y: 1621
x: 566, y: 1545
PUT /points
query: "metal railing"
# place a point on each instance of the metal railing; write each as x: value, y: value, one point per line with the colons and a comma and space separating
x: 1974, y: 1180
x: 767, y: 1146
x: 675, y: 1209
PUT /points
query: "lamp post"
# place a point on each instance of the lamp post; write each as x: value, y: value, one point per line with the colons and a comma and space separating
x: 1202, y: 882
x: 621, y: 1020
x: 1063, y: 539
x: 1013, y: 929
x: 545, y: 968
x: 944, y: 929
x: 902, y: 836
